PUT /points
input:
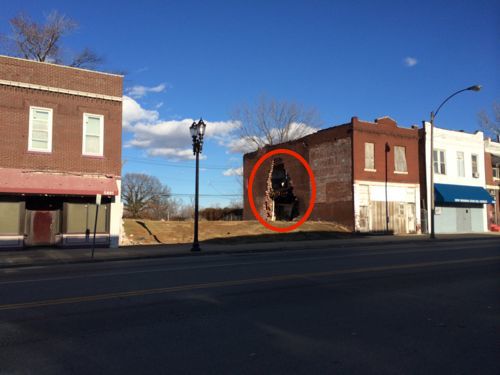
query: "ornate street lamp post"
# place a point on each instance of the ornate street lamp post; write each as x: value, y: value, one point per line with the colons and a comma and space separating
x: 197, y: 130
x: 433, y: 116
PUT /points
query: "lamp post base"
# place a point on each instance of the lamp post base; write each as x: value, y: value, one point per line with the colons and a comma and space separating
x: 195, y: 247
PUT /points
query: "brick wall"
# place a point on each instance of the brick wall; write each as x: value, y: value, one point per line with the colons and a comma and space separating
x: 63, y: 77
x: 329, y: 154
x: 379, y: 133
x: 488, y: 169
x: 67, y: 130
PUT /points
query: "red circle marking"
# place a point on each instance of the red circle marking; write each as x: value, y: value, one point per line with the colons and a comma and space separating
x: 311, y: 200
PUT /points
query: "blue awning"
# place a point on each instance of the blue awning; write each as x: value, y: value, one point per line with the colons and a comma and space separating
x: 446, y: 193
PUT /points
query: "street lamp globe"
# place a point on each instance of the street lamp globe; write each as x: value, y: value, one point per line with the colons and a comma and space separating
x: 202, y: 127
x: 194, y: 130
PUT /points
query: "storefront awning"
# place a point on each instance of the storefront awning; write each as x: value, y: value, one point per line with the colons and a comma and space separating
x: 446, y: 193
x: 29, y: 182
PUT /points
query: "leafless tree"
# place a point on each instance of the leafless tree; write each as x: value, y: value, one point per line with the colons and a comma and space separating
x: 271, y: 121
x: 491, y: 126
x: 144, y: 195
x: 42, y: 42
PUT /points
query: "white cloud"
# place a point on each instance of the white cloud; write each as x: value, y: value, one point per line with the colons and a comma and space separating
x: 139, y: 91
x: 134, y: 113
x: 170, y: 139
x: 233, y: 172
x: 410, y: 61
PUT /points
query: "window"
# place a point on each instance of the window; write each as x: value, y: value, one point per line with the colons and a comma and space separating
x: 475, y: 172
x: 93, y: 130
x: 400, y: 159
x: 496, y: 173
x: 40, y: 129
x: 369, y: 157
x: 439, y: 162
x: 460, y: 164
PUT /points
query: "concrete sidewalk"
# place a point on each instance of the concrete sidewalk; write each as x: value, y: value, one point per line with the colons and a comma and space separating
x: 52, y: 256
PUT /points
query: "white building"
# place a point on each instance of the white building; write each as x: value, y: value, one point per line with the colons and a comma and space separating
x: 459, y: 181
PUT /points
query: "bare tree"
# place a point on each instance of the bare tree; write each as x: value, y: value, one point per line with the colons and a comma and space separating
x: 144, y: 195
x: 42, y: 42
x: 270, y: 122
x: 491, y: 126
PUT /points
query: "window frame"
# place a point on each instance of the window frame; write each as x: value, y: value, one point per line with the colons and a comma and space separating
x: 49, y: 129
x: 101, y: 134
x: 495, y: 170
x: 372, y: 157
x: 474, y: 164
x: 460, y: 167
x: 396, y: 171
x: 440, y: 162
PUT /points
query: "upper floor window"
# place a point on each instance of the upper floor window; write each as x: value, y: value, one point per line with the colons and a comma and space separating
x: 369, y: 156
x: 475, y: 172
x: 496, y: 173
x: 40, y: 129
x: 93, y: 134
x: 460, y: 164
x: 439, y: 162
x: 400, y: 159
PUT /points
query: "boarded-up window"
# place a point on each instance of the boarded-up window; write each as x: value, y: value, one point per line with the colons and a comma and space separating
x: 369, y: 156
x: 460, y: 164
x: 400, y: 159
x: 93, y: 131
x: 11, y: 218
x: 40, y: 129
x: 81, y: 216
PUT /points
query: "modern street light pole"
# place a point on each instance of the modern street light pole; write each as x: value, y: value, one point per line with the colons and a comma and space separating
x: 433, y: 116
x: 197, y: 130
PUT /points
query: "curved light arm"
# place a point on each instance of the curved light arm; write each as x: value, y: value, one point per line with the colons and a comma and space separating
x: 472, y: 88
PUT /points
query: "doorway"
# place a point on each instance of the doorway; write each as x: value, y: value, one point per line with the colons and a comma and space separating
x: 42, y: 227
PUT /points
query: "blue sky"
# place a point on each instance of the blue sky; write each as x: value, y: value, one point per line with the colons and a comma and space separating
x: 187, y: 59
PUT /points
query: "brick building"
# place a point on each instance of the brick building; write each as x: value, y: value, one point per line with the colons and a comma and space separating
x: 61, y: 148
x: 492, y: 175
x: 365, y: 173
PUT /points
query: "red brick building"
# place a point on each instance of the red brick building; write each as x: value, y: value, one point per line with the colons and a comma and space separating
x: 492, y: 174
x: 61, y: 147
x: 365, y: 172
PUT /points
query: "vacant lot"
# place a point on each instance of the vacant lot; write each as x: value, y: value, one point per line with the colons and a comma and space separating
x: 172, y: 232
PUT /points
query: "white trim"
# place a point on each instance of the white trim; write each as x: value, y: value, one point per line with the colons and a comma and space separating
x: 397, y: 172
x: 49, y: 129
x: 59, y: 90
x: 370, y: 170
x: 60, y: 66
x: 101, y: 134
x: 381, y: 183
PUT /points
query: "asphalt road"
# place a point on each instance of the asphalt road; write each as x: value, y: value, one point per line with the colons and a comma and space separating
x: 427, y: 308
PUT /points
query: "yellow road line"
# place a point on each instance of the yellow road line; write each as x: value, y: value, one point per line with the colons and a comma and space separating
x: 217, y: 284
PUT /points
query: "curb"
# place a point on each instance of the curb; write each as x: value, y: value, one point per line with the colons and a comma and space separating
x: 231, y: 251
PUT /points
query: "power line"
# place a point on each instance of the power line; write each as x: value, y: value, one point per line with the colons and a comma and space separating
x: 203, y: 195
x: 174, y: 165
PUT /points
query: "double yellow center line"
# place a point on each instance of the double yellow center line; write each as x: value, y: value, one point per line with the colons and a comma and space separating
x: 230, y: 283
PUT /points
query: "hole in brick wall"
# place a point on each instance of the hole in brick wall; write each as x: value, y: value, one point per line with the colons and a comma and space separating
x: 280, y: 203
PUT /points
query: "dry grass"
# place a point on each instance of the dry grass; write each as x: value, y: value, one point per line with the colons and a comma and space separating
x: 174, y: 232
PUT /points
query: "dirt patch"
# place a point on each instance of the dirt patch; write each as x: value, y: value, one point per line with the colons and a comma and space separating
x: 175, y: 232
